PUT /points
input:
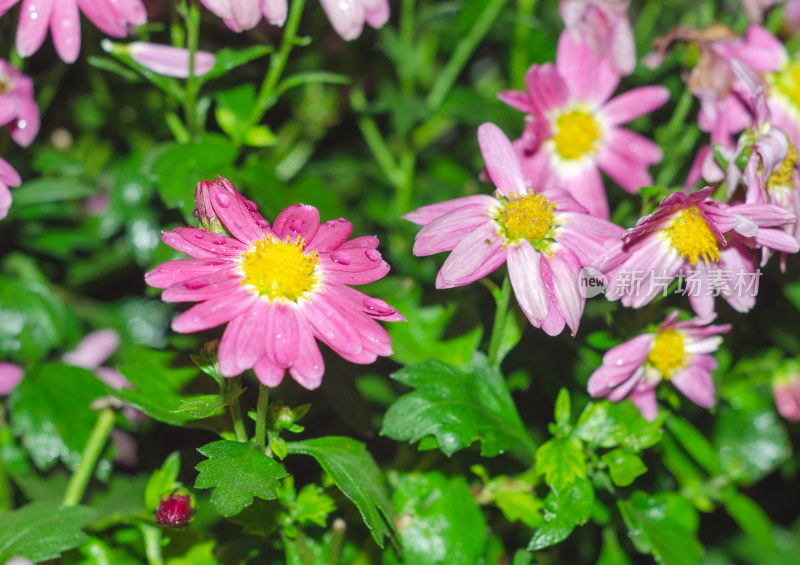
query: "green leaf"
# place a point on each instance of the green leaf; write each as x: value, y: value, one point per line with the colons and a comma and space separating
x: 564, y: 509
x: 612, y: 552
x: 227, y: 59
x: 157, y: 384
x: 45, y: 190
x: 563, y: 413
x: 206, y: 405
x: 312, y: 505
x: 695, y: 443
x: 258, y: 519
x: 237, y: 472
x: 458, y: 407
x: 122, y: 500
x: 51, y: 410
x: 623, y: 467
x: 42, y: 530
x: 519, y: 505
x: 442, y: 523
x: 609, y: 424
x: 661, y: 526
x: 561, y: 461
x: 233, y: 109
x: 749, y: 515
x: 354, y: 471
x: 162, y: 481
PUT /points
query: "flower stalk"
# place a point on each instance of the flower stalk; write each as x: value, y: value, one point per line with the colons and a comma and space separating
x: 91, y: 454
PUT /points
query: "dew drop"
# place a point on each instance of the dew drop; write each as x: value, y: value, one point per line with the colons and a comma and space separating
x: 377, y: 306
x: 223, y: 200
x: 372, y: 255
x: 194, y: 285
x: 262, y: 224
x: 340, y: 257
x: 296, y: 225
x: 199, y: 235
x: 219, y: 241
x: 251, y: 206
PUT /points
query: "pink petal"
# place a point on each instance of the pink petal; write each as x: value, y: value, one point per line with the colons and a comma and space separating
x: 168, y: 60
x: 246, y: 13
x: 214, y: 312
x: 586, y: 186
x: 221, y: 8
x: 425, y: 215
x: 478, y: 254
x: 10, y: 377
x: 242, y: 343
x: 358, y: 277
x: 297, y: 221
x: 634, y: 103
x: 546, y: 88
x: 233, y: 211
x: 309, y: 367
x: 275, y: 12
x: 517, y: 100
x: 180, y: 270
x: 65, y: 27
x: 560, y: 274
x: 645, y: 400
x: 630, y: 174
x: 131, y: 11
x: 374, y: 307
x: 93, y: 349
x: 376, y: 12
x: 268, y: 374
x: 502, y: 162
x: 8, y: 175
x: 446, y: 232
x: 6, y: 5
x: 330, y: 235
x: 633, y: 147
x: 697, y: 385
x: 103, y: 15
x: 5, y: 200
x: 526, y: 278
x: 34, y: 19
x: 346, y: 17
x: 204, y: 287
x: 281, y: 334
x: 330, y: 326
x: 201, y: 243
x: 589, y: 78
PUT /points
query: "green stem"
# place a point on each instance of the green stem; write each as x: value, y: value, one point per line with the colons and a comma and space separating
x: 277, y: 63
x: 5, y: 493
x: 406, y: 68
x: 91, y: 453
x: 261, y: 416
x: 152, y: 544
x: 375, y: 141
x: 520, y: 60
x: 192, y: 88
x: 463, y: 51
x: 235, y: 409
x: 501, y: 298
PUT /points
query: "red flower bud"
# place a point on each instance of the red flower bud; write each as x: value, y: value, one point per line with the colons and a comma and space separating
x: 175, y: 510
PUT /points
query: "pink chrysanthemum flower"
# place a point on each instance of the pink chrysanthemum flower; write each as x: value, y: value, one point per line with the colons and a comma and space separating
x: 278, y: 288
x: 712, y: 244
x: 63, y: 19
x: 573, y: 130
x: 605, y: 27
x: 546, y: 237
x: 241, y: 15
x: 679, y: 352
x: 18, y: 107
x: 8, y: 178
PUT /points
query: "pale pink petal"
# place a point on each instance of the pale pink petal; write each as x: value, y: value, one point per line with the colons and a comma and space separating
x: 246, y: 13
x: 214, y: 312
x: 425, y: 215
x: 697, y: 385
x: 561, y: 275
x: 778, y: 240
x: 103, y: 15
x: 626, y: 387
x: 309, y: 367
x: 168, y: 60
x: 628, y: 172
x: 5, y: 201
x: 346, y: 17
x: 65, y: 27
x: 586, y: 186
x: 297, y: 221
x: 645, y: 400
x: 10, y: 377
x: 8, y: 175
x: 501, y: 160
x: 27, y: 122
x: 268, y: 374
x: 275, y: 11
x: 446, y: 232
x: 281, y: 334
x: 517, y: 100
x: 634, y: 103
x: 112, y: 377
x: 221, y: 8
x: 546, y: 88
x: 131, y: 11
x: 242, y: 343
x: 478, y: 254
x: 590, y: 78
x: 93, y: 349
x: 526, y: 278
x: 34, y: 19
x: 376, y: 12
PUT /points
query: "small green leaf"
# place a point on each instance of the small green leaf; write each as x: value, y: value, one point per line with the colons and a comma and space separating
x: 278, y: 446
x: 227, y: 59
x: 237, y: 472
x: 563, y: 412
x: 162, y: 481
x: 522, y: 506
x: 695, y: 443
x: 564, y: 509
x: 612, y: 552
x: 312, y: 505
x: 609, y: 424
x: 206, y: 405
x: 354, y: 471
x: 561, y: 461
x: 624, y: 467
x: 749, y: 515
x: 42, y: 530
x: 258, y: 519
x: 457, y: 408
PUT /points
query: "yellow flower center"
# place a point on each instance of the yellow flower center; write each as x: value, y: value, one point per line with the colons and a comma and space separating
x: 787, y: 82
x: 668, y: 354
x: 576, y: 134
x: 528, y: 216
x: 783, y: 178
x: 690, y: 235
x: 278, y: 269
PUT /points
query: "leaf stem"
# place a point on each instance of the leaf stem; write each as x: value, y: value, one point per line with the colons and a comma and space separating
x: 261, y: 417
x: 91, y: 453
x: 235, y: 409
x: 501, y: 297
x: 192, y: 87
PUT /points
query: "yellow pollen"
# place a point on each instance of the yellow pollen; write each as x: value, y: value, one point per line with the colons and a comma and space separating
x: 787, y: 82
x: 783, y: 178
x: 576, y: 134
x: 529, y: 216
x: 690, y: 235
x: 278, y: 269
x: 668, y: 354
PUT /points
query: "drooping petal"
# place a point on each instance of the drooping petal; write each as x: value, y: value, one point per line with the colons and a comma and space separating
x: 346, y: 17
x: 268, y: 373
x: 275, y: 12
x: 376, y: 12
x: 524, y: 270
x: 281, y: 333
x: 307, y: 370
x: 478, y: 254
x: 329, y: 325
x: 93, y: 349
x: 561, y: 275
x: 644, y: 398
x: 696, y: 385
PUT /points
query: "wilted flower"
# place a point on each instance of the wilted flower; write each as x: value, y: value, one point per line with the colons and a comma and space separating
x: 546, y: 237
x: 278, y: 289
x: 605, y: 27
x: 10, y: 377
x: 8, y: 178
x: 241, y: 15
x: 679, y: 352
x: 573, y: 128
x: 17, y: 105
x: 175, y: 510
x: 711, y: 243
x: 163, y: 59
x: 63, y: 19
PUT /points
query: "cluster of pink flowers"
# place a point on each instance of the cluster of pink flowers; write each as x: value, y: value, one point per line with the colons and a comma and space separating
x: 278, y: 288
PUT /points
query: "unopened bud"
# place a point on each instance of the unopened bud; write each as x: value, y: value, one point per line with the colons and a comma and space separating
x: 175, y: 510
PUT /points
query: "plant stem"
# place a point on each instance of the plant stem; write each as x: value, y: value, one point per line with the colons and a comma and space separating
x: 236, y: 415
x: 405, y: 69
x: 463, y: 51
x: 519, y: 50
x: 261, y: 416
x: 91, y: 453
x: 501, y: 298
x: 190, y: 99
x: 277, y: 63
x: 152, y: 544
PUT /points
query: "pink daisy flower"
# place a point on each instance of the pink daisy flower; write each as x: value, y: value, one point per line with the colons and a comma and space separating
x: 17, y: 104
x: 241, y: 15
x: 62, y: 17
x: 546, y: 238
x: 278, y: 288
x: 8, y: 178
x: 712, y: 244
x: 679, y: 352
x: 605, y: 27
x: 573, y: 129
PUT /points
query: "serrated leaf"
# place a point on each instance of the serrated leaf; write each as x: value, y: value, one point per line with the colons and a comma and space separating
x: 42, y: 530
x: 561, y: 461
x: 258, y: 519
x: 312, y: 505
x: 162, y: 481
x: 355, y: 472
x: 609, y: 424
x: 237, y: 472
x: 623, y: 467
x: 522, y: 506
x: 206, y: 405
x: 51, y: 411
x: 564, y: 510
x: 664, y: 531
x: 457, y: 408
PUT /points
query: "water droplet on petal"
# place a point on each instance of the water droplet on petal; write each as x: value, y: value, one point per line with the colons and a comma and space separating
x: 199, y: 235
x: 219, y: 241
x: 223, y: 200
x: 373, y: 255
x: 340, y: 257
x: 251, y: 206
x: 262, y: 224
x: 194, y: 285
x: 296, y: 225
x: 377, y: 306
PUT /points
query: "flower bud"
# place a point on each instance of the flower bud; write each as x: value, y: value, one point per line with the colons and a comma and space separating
x: 175, y: 510
x: 204, y: 209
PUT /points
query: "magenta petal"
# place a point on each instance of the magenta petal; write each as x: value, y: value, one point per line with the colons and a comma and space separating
x: 233, y: 212
x: 6, y: 5
x: 180, y: 270
x: 201, y: 243
x: 501, y: 160
x: 589, y: 77
x: 309, y: 367
x: 526, y: 278
x: 204, y: 287
x: 65, y: 28
x: 268, y: 374
x: 242, y: 343
x: 697, y: 385
x: 330, y: 325
x: 297, y: 221
x: 214, y: 312
x: 34, y: 19
x: 374, y: 307
x: 8, y: 175
x: 10, y: 377
x: 281, y: 333
x: 634, y: 103
x: 478, y: 254
x: 331, y: 235
x: 93, y: 349
x: 358, y: 277
x: 517, y: 100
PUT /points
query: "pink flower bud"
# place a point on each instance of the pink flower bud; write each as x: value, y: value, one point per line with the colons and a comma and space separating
x: 164, y: 59
x: 175, y: 510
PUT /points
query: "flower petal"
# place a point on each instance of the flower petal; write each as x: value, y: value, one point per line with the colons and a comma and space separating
x: 477, y: 255
x: 281, y: 334
x: 526, y: 278
x: 502, y: 162
x: 65, y: 27
x: 309, y: 367
x: 214, y: 312
x: 242, y: 343
x: 34, y: 19
x: 297, y: 221
x: 634, y: 103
